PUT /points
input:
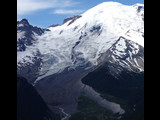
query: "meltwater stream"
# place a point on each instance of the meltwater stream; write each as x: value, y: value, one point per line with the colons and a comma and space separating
x: 66, y: 115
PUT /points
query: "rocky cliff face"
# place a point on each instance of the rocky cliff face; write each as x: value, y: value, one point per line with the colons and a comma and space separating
x: 30, y: 105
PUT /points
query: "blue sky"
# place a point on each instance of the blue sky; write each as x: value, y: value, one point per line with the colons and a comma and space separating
x: 44, y: 13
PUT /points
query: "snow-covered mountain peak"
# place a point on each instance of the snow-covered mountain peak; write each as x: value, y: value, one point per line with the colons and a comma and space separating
x: 111, y: 17
x: 23, y: 22
x: 108, y: 38
x: 82, y: 40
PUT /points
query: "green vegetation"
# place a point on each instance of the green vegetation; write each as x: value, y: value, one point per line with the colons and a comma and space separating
x: 90, y: 110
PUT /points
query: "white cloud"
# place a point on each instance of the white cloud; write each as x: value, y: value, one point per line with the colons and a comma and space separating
x: 29, y: 6
x: 64, y: 11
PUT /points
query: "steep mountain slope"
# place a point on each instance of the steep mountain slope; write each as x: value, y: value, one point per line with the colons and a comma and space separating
x: 26, y: 37
x: 30, y: 106
x: 60, y: 57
